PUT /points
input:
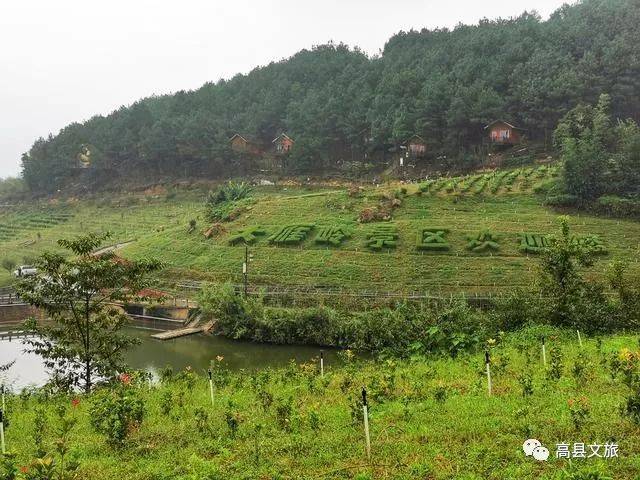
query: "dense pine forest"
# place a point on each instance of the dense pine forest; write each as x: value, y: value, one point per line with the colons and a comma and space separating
x: 343, y: 107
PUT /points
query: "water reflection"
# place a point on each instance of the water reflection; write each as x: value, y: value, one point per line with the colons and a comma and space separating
x: 152, y: 355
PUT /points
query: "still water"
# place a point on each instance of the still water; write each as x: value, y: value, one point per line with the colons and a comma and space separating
x: 152, y: 355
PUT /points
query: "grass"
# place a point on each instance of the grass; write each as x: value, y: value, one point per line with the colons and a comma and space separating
x: 431, y: 417
x: 506, y: 206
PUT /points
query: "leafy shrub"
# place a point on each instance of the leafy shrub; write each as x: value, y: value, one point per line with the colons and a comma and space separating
x: 247, y: 235
x: 8, y: 264
x: 591, y: 243
x: 563, y: 200
x: 526, y: 383
x: 451, y: 328
x: 116, y: 411
x: 481, y: 184
x: 232, y: 418
x: 229, y: 192
x: 221, y: 205
x: 549, y: 186
x: 291, y: 234
x: 483, y: 242
x: 556, y: 365
x: 432, y: 239
x: 382, y: 236
x: 618, y: 206
x: 533, y: 242
x: 497, y: 181
x: 580, y: 411
x: 518, y: 160
x: 333, y: 235
x: 8, y: 466
x: 425, y: 186
x: 627, y: 363
x: 224, y: 212
x: 470, y: 182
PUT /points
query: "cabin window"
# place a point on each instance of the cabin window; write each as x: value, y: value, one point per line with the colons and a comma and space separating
x: 501, y: 135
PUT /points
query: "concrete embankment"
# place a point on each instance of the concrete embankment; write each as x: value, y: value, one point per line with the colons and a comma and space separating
x: 17, y: 313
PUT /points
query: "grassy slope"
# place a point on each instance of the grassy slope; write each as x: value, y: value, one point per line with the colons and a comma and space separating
x: 160, y: 226
x: 467, y: 436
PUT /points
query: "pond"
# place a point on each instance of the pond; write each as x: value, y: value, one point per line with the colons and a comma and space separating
x: 152, y: 355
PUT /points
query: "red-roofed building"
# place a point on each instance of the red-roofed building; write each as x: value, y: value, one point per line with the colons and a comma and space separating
x: 504, y: 133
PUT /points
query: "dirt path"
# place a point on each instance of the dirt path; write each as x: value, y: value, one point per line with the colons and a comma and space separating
x: 112, y: 248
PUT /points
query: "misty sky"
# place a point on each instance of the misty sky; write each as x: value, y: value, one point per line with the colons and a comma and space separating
x: 66, y: 60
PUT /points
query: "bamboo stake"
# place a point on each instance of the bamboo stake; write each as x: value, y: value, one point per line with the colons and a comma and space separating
x: 365, y: 411
x: 322, y: 363
x: 579, y: 338
x: 544, y: 353
x: 487, y: 362
x: 4, y: 451
x: 211, y: 386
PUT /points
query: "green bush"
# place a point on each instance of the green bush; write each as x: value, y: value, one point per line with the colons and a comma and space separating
x: 432, y: 239
x: 563, y: 200
x: 483, y: 242
x: 591, y: 243
x: 333, y: 235
x: 450, y: 327
x: 247, y: 235
x: 116, y: 411
x: 291, y: 234
x: 425, y: 186
x: 533, y: 242
x: 618, y: 206
x: 8, y: 264
x: 518, y: 160
x: 229, y: 192
x: 382, y: 236
x: 549, y: 186
x: 224, y: 203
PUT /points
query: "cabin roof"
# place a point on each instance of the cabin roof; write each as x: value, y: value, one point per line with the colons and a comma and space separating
x: 417, y: 137
x: 282, y: 135
x: 502, y: 121
x: 246, y: 137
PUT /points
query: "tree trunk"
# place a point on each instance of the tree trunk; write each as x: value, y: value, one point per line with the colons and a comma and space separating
x: 87, y: 376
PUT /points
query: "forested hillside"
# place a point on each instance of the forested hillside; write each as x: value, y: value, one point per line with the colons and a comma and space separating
x: 338, y: 104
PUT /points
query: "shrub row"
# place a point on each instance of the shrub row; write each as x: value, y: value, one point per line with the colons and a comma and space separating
x: 451, y: 327
x: 333, y: 235
x: 432, y: 239
x: 291, y: 234
x: 483, y: 242
x: 618, y: 206
x: 382, y: 236
x: 248, y: 235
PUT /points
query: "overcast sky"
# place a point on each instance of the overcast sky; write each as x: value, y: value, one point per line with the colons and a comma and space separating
x: 66, y: 60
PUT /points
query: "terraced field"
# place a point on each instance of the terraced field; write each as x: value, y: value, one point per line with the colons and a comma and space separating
x: 502, y: 202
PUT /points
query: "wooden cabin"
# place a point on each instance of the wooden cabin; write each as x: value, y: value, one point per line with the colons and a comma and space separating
x: 416, y: 147
x: 245, y: 144
x: 282, y: 144
x: 503, y: 133
x: 366, y: 137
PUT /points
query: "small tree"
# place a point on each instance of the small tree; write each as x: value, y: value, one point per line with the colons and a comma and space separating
x: 570, y: 300
x: 8, y: 264
x: 78, y: 293
x: 584, y: 137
